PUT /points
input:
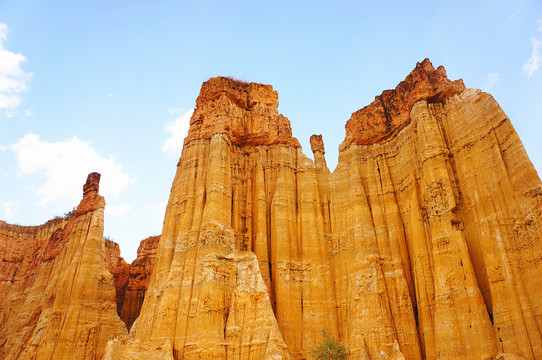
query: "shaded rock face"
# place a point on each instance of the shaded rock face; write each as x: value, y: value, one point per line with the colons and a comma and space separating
x: 424, y: 243
x: 139, y: 278
x: 131, y: 280
x: 119, y: 268
x: 57, y: 298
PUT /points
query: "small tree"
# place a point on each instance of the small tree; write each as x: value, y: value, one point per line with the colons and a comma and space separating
x: 329, y: 349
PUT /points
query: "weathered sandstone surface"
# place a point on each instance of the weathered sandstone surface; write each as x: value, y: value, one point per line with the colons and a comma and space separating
x: 139, y: 275
x: 119, y: 268
x: 130, y: 280
x: 424, y: 243
x: 57, y: 298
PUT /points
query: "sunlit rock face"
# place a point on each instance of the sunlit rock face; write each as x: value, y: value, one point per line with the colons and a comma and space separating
x: 57, y: 298
x: 424, y: 243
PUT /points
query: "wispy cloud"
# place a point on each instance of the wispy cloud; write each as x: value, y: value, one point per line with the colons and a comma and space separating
x: 10, y: 208
x: 159, y: 208
x: 175, y: 111
x: 110, y: 96
x: 65, y: 165
x: 29, y: 112
x: 13, y: 81
x: 118, y: 210
x: 539, y: 24
x: 534, y: 61
x: 177, y: 129
x: 517, y: 10
x: 493, y: 80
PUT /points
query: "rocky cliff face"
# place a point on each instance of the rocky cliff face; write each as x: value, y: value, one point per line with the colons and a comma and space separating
x: 424, y: 243
x: 130, y: 280
x: 139, y: 275
x: 58, y: 299
x: 118, y: 267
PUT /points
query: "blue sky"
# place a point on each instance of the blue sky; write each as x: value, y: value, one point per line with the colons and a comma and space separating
x: 108, y: 86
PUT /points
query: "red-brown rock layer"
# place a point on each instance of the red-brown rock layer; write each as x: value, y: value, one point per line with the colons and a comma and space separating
x: 389, y: 113
x: 130, y: 280
x: 119, y: 268
x: 139, y: 277
x: 245, y: 112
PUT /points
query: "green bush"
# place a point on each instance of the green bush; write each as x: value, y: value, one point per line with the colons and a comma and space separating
x: 330, y: 349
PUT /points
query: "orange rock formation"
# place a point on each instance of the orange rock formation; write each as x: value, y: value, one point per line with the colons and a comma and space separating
x: 139, y: 275
x: 58, y: 299
x: 424, y: 243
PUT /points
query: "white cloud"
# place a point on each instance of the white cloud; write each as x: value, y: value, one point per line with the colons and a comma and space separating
x: 159, y: 209
x: 175, y: 111
x: 118, y: 211
x: 110, y: 96
x: 12, y: 79
x: 534, y: 61
x: 492, y: 81
x: 10, y: 208
x: 2, y: 148
x: 177, y: 129
x: 539, y: 23
x: 66, y: 165
x: 29, y: 112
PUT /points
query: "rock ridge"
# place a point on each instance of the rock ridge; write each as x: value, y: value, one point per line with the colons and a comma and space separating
x: 389, y: 112
x: 63, y: 305
x: 246, y: 112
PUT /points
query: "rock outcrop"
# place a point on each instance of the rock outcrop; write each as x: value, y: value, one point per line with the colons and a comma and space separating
x: 139, y: 276
x: 424, y: 243
x: 130, y: 280
x: 58, y: 299
x: 119, y: 268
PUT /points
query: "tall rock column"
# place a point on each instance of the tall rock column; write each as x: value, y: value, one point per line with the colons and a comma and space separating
x: 502, y: 208
x: 207, y: 298
x: 83, y: 314
x: 458, y: 300
x: 77, y: 313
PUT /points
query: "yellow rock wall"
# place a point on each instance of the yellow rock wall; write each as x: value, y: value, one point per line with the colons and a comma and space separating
x: 424, y: 243
x: 64, y: 307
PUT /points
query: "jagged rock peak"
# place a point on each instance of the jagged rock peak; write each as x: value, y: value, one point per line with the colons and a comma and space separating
x: 246, y: 112
x: 91, y: 198
x: 92, y: 184
x: 390, y: 112
x: 317, y: 144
